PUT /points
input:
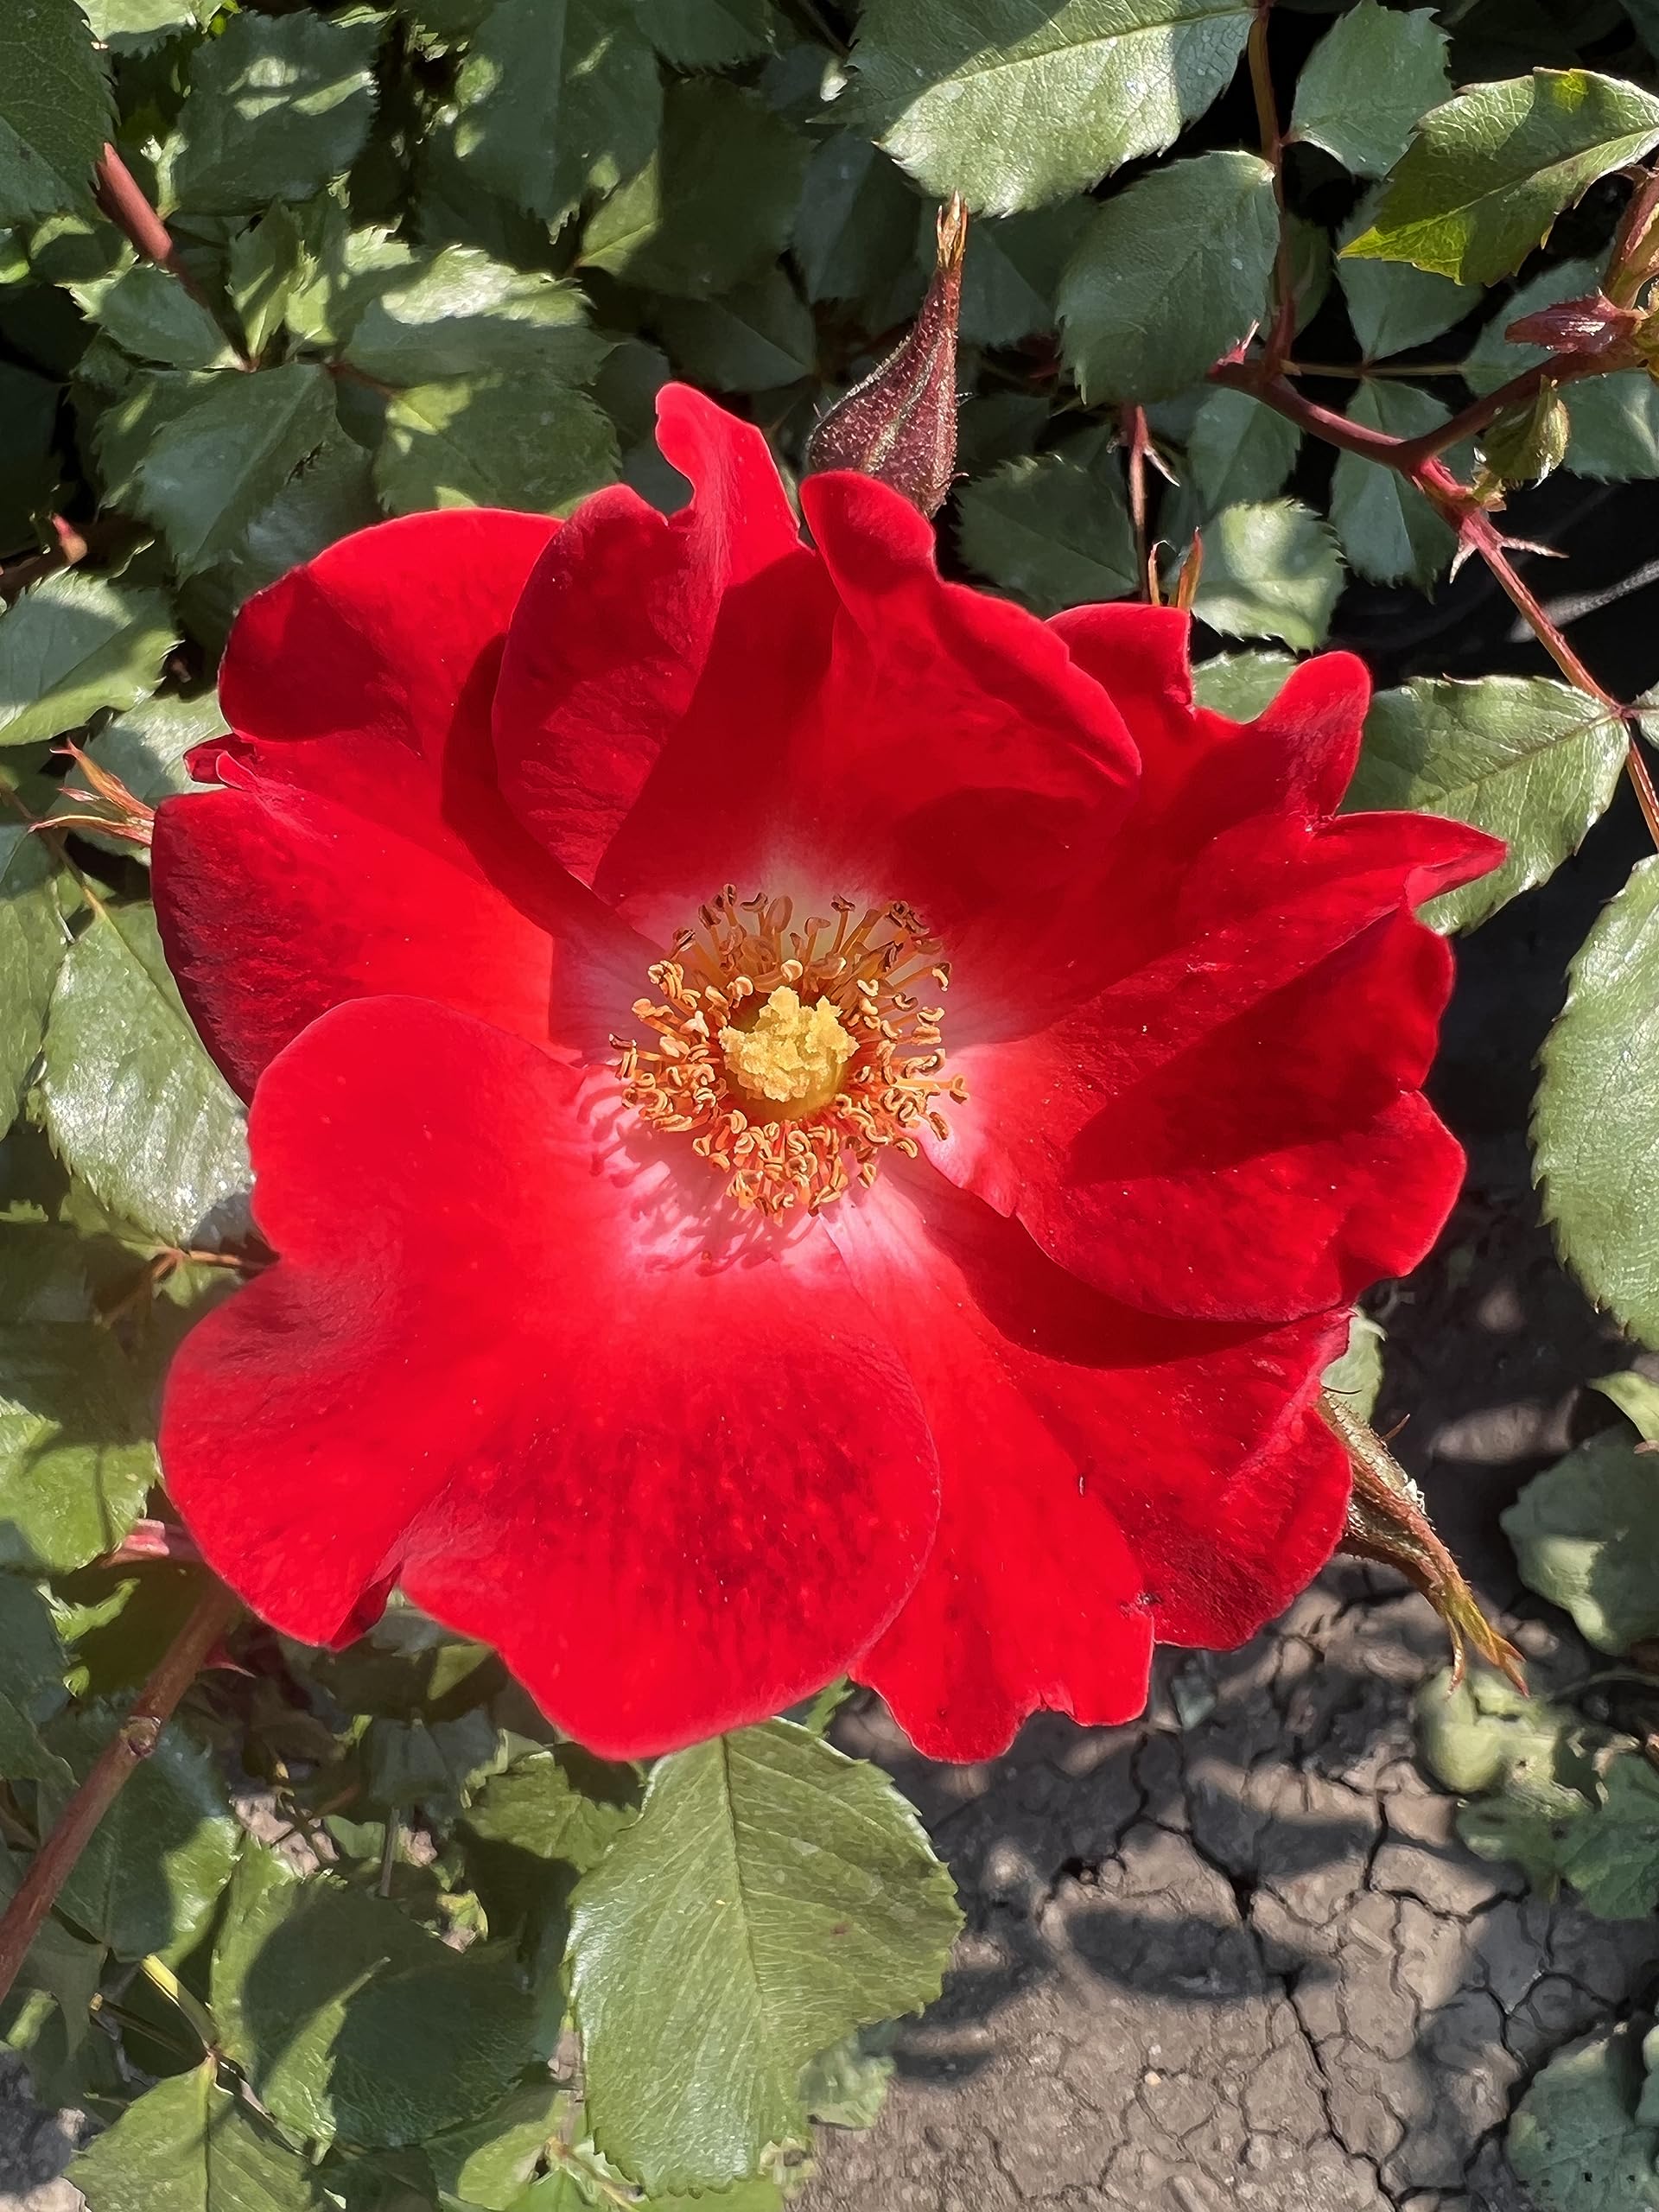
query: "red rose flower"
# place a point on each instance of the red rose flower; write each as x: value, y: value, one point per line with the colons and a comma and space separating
x: 679, y: 1286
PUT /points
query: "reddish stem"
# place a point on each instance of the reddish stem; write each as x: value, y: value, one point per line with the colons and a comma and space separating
x: 1283, y: 332
x: 153, y: 1540
x: 134, y: 1740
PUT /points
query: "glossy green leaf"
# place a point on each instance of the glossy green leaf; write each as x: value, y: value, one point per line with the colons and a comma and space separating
x: 1242, y: 686
x: 772, y: 1897
x: 1637, y: 1396
x: 1367, y: 82
x: 462, y: 313
x: 1490, y: 171
x: 1011, y: 277
x: 415, y: 1761
x: 559, y: 98
x: 1393, y: 306
x: 1169, y: 274
x: 754, y: 338
x: 329, y: 496
x: 148, y: 313
x: 134, y: 26
x: 714, y: 204
x: 209, y: 472
x: 265, y: 264
x: 1014, y: 106
x: 709, y: 34
x: 1239, y: 450
x: 160, y: 1858
x: 1586, y: 1533
x: 55, y: 110
x: 74, y: 644
x: 520, y: 440
x: 76, y: 1458
x: 856, y: 225
x: 350, y: 2020
x: 277, y: 106
x: 1270, y: 571
x: 29, y: 466
x: 1596, y: 1125
x: 187, y: 2146
x: 1052, y: 532
x: 1611, y: 1858
x: 134, y: 1106
x: 1575, y: 2141
x: 1387, y: 529
x: 1524, y: 758
x: 341, y: 270
x: 32, y: 1667
x: 32, y: 942
x: 490, y: 2161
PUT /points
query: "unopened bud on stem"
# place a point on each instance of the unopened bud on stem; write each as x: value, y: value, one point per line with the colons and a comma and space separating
x: 900, y: 423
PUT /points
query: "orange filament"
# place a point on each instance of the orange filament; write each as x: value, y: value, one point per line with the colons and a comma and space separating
x: 792, y: 1056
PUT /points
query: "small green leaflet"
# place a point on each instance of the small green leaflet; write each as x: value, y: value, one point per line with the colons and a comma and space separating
x: 1014, y: 107
x: 559, y: 98
x: 1575, y: 2140
x: 1241, y: 685
x: 148, y: 313
x: 1012, y: 273
x: 1586, y: 1533
x: 461, y: 314
x: 76, y: 644
x: 772, y: 1897
x: 1596, y: 1125
x: 1239, y: 450
x: 76, y: 1459
x: 278, y: 105
x: 1168, y: 275
x: 523, y: 439
x: 856, y: 225
x: 55, y: 110
x: 133, y: 1105
x: 754, y: 338
x: 1611, y: 1857
x: 33, y: 939
x: 1615, y: 419
x: 1052, y: 532
x: 1386, y: 527
x: 1524, y: 758
x: 1366, y: 84
x: 1270, y: 571
x: 1490, y: 171
x: 187, y: 2145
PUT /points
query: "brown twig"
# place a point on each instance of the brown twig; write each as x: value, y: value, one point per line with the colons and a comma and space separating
x: 133, y: 1741
x: 1283, y: 331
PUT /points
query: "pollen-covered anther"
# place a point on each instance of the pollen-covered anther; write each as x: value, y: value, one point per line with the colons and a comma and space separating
x: 792, y: 1056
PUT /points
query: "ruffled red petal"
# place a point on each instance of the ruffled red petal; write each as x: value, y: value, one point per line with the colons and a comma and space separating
x: 1106, y: 1478
x: 678, y: 1483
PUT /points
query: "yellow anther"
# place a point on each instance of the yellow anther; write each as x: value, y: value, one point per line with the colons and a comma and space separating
x: 793, y: 1058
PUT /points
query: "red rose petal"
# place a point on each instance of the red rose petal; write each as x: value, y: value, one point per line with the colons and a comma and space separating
x: 677, y: 1479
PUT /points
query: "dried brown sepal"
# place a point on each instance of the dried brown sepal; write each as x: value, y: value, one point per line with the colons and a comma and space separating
x: 1388, y: 1525
x: 129, y: 816
x: 899, y: 424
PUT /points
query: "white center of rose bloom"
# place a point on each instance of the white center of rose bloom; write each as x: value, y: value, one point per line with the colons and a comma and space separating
x: 790, y: 1056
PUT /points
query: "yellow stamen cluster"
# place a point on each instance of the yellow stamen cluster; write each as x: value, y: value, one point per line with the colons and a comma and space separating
x: 792, y: 1057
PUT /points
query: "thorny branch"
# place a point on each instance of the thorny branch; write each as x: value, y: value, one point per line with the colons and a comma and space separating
x: 1266, y: 376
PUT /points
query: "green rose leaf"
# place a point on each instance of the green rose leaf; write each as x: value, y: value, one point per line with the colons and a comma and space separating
x: 1490, y: 171
x: 1270, y: 571
x: 1524, y: 758
x: 1386, y: 527
x: 278, y: 105
x: 1393, y: 306
x: 772, y: 1897
x: 1586, y: 1533
x: 134, y: 1106
x: 187, y: 2145
x: 210, y: 469
x: 1368, y: 81
x: 714, y: 204
x: 1168, y: 275
x: 1241, y: 685
x: 464, y: 314
x: 1014, y: 107
x: 32, y: 944
x: 32, y: 1665
x: 148, y: 313
x: 349, y: 2019
x: 708, y: 34
x: 753, y: 339
x: 1637, y: 1396
x: 266, y: 263
x: 161, y: 1856
x: 74, y: 644
x: 559, y: 98
x: 1053, y: 533
x: 490, y: 2161
x: 856, y: 225
x: 1611, y: 1858
x: 1239, y: 450
x: 55, y: 110
x: 1596, y: 1127
x: 76, y: 1459
x: 523, y: 439
x: 1012, y: 273
x: 134, y: 26
x: 1575, y: 2140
